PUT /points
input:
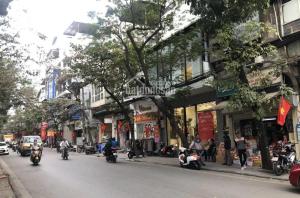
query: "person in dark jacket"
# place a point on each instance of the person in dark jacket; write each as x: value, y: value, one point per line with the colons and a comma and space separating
x: 212, y: 150
x: 227, y: 146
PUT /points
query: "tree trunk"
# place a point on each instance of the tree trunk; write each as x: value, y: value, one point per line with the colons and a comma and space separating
x: 167, y: 109
x: 263, y: 144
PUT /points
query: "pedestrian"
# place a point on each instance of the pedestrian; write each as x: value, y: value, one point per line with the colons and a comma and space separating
x: 240, y: 145
x: 227, y: 147
x: 196, y: 145
x: 212, y: 150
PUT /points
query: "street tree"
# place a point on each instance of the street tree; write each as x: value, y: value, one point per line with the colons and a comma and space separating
x: 102, y: 64
x: 136, y: 28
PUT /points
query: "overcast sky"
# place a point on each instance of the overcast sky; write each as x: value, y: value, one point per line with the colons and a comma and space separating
x: 50, y: 18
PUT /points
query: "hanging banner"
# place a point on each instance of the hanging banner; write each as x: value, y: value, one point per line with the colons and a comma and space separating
x: 44, y: 126
x: 156, y: 133
x: 205, y: 125
x: 103, y: 127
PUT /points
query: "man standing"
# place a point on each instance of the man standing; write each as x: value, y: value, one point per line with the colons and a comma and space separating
x: 227, y: 146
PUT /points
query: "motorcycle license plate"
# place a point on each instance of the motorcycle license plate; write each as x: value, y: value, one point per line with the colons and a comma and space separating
x: 275, y: 159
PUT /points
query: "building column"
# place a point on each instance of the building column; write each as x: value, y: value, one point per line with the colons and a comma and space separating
x: 296, y: 120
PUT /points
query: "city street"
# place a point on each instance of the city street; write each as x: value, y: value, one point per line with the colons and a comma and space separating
x: 90, y: 176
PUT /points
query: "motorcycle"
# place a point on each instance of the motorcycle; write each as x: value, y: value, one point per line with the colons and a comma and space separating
x: 14, y: 147
x: 283, y: 160
x: 189, y: 159
x: 168, y: 151
x: 111, y: 155
x: 135, y: 152
x: 36, y: 154
x: 65, y: 153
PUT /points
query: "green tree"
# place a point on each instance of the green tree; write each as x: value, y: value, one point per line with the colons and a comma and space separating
x: 102, y: 65
x: 135, y: 28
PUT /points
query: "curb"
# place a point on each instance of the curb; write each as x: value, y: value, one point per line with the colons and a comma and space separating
x: 216, y: 170
x: 245, y: 174
x: 17, y: 187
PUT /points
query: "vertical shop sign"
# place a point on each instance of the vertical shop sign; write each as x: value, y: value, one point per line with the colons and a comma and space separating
x: 156, y: 133
x: 298, y: 131
x: 205, y: 125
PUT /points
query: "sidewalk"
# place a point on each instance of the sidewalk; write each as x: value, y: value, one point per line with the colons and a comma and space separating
x: 210, y: 166
x: 5, y: 188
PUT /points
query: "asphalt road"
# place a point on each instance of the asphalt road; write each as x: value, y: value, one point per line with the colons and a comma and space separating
x: 89, y: 176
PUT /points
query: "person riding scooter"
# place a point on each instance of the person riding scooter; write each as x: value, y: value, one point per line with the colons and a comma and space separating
x: 109, y: 151
x: 64, y: 148
x: 36, y: 153
x: 197, y: 146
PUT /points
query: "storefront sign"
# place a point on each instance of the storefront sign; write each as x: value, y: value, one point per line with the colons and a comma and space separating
x: 298, y: 131
x: 205, y: 125
x: 156, y: 133
x: 107, y: 120
x: 74, y: 109
x: 142, y: 107
x: 259, y: 77
x: 147, y: 117
x: 51, y: 133
x: 76, y: 116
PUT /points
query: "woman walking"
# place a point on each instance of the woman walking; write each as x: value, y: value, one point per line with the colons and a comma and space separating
x: 240, y: 145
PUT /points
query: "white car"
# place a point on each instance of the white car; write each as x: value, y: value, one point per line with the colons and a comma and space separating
x: 3, y: 148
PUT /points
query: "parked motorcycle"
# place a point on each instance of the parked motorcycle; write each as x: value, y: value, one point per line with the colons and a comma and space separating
x: 139, y: 151
x: 36, y: 154
x: 65, y: 153
x: 168, y: 151
x: 189, y: 159
x: 90, y: 150
x: 283, y: 160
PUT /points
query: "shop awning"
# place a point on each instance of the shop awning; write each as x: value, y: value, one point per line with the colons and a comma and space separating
x: 222, y: 105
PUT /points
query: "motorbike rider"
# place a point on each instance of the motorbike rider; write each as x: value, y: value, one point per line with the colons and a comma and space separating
x: 196, y: 145
x: 35, y: 145
x: 108, y: 147
x: 64, y: 144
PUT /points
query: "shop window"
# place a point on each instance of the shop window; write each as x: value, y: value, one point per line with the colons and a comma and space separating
x: 290, y: 11
x: 191, y: 121
x: 194, y: 68
x: 179, y: 114
x: 96, y: 93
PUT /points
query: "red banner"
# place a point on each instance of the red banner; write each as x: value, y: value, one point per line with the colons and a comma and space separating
x: 103, y: 127
x: 205, y: 125
x: 44, y: 126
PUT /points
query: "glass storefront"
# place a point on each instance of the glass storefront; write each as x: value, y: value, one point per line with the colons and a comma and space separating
x: 188, y: 118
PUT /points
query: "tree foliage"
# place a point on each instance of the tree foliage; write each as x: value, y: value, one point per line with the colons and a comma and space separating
x: 217, y: 13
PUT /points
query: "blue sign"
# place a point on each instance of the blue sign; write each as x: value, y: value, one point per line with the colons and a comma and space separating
x: 298, y: 131
x: 76, y: 117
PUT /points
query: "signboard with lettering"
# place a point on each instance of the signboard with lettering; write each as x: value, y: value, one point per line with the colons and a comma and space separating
x: 147, y: 117
x: 263, y: 76
x: 205, y: 125
x: 298, y: 131
x: 142, y: 107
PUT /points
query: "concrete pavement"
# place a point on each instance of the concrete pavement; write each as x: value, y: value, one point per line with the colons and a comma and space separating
x: 210, y: 166
x: 89, y: 176
x: 5, y: 188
